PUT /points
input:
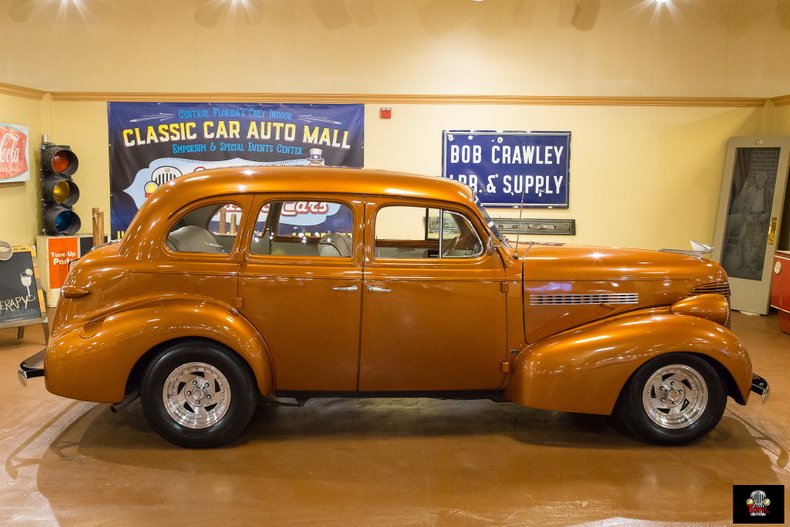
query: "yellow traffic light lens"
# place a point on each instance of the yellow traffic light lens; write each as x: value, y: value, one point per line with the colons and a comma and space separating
x: 61, y: 192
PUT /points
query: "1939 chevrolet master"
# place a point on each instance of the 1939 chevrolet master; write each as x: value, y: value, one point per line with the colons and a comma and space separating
x: 304, y: 282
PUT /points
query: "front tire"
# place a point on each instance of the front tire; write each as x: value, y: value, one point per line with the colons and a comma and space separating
x: 672, y: 400
x: 198, y: 394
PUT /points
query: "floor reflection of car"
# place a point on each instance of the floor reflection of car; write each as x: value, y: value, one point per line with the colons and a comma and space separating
x: 305, y: 282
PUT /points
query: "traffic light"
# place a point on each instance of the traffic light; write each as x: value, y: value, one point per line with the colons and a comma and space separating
x: 58, y: 192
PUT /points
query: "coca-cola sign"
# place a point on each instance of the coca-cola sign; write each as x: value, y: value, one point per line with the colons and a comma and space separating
x: 14, y: 156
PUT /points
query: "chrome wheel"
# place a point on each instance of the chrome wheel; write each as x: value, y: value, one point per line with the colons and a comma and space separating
x: 196, y: 395
x: 675, y: 396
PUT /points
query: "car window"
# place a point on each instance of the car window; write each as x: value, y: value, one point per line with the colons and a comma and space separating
x: 304, y: 228
x: 208, y: 229
x: 408, y: 232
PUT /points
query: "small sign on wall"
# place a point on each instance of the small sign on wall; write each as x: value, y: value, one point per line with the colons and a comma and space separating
x: 14, y: 153
x: 510, y: 169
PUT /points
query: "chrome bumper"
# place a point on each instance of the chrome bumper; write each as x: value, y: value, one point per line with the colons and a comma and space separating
x: 31, y: 367
x: 760, y: 387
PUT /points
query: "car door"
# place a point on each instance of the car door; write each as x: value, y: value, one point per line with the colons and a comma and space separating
x: 200, y: 253
x: 300, y: 285
x: 433, y: 306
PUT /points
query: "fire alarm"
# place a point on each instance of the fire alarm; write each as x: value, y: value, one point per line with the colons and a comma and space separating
x: 385, y: 113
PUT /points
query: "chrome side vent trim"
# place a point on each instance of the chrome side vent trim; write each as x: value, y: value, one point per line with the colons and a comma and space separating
x: 592, y: 299
x: 722, y: 288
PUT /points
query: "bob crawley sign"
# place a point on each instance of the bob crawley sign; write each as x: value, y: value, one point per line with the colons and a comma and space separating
x: 14, y: 153
x: 510, y: 169
x: 153, y: 143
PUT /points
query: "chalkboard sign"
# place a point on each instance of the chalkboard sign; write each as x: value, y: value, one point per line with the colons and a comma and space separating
x: 21, y: 300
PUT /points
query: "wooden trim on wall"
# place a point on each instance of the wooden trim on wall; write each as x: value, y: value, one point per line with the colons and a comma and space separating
x: 21, y: 91
x: 784, y: 100
x: 384, y: 98
x: 373, y: 98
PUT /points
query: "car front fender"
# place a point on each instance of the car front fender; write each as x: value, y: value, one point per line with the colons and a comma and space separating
x: 584, y: 370
x: 92, y: 362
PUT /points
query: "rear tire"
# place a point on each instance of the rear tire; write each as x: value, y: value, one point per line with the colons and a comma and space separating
x: 198, y: 394
x: 672, y: 400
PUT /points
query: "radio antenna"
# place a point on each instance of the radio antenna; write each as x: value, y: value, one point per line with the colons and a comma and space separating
x: 520, y: 214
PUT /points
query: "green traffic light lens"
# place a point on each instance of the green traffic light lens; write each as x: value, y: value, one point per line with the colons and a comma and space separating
x: 59, y: 221
x: 65, y: 222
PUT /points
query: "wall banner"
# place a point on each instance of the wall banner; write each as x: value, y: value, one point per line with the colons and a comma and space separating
x: 14, y: 153
x: 152, y: 143
x: 507, y: 169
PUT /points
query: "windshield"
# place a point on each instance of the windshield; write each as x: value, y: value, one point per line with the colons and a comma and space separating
x: 492, y: 225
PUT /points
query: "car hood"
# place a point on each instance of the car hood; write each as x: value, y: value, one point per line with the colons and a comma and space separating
x: 566, y: 286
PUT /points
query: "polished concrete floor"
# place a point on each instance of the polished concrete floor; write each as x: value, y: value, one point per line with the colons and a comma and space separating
x: 419, y: 462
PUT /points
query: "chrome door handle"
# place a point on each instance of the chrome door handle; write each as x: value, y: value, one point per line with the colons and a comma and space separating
x: 377, y: 289
x: 345, y: 288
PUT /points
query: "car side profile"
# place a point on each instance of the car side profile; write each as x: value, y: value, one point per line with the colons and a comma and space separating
x: 238, y: 283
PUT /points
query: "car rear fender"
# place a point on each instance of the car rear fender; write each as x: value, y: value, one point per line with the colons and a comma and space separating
x: 583, y: 370
x: 93, y: 361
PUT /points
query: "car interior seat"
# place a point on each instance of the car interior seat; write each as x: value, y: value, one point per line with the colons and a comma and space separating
x: 335, y: 244
x: 193, y: 239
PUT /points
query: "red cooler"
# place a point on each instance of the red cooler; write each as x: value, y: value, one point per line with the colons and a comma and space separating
x: 780, y: 289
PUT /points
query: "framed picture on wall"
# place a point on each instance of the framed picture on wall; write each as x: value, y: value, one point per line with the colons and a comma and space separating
x: 14, y: 153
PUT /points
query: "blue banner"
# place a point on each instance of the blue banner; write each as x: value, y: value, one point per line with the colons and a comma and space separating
x: 152, y: 143
x: 528, y: 169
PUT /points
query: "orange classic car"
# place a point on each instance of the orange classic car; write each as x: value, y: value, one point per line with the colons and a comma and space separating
x: 241, y: 283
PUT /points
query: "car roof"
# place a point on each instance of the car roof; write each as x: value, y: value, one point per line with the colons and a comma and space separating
x: 252, y: 179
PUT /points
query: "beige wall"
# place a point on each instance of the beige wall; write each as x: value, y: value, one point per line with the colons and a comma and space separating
x: 20, y: 208
x: 83, y: 126
x: 782, y: 120
x: 640, y: 176
x: 708, y: 48
x: 782, y: 127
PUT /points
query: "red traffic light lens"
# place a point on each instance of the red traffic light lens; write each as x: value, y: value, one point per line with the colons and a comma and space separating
x: 60, y: 161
